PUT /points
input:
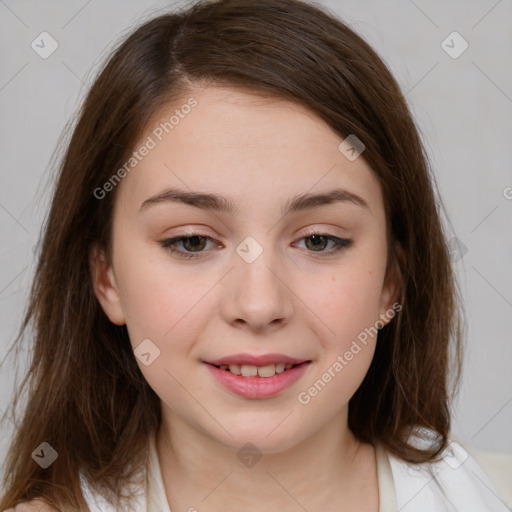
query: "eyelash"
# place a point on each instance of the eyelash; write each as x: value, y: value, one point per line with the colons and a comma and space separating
x: 170, y: 244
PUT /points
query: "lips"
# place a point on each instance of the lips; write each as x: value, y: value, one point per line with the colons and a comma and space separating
x: 261, y: 360
x: 257, y: 376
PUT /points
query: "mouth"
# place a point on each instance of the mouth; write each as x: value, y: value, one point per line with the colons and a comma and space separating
x: 264, y: 372
x: 257, y: 377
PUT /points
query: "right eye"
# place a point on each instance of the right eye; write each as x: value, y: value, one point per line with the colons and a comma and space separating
x: 192, y: 245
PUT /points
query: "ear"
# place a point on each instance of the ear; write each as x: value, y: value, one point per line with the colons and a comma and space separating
x: 392, y: 288
x: 105, y: 286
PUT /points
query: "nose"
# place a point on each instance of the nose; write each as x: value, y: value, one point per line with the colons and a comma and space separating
x: 257, y: 296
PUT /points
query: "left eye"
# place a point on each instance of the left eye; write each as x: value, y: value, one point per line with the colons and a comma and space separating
x: 318, y: 243
x: 194, y: 244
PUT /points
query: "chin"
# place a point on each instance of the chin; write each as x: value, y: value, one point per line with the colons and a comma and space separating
x: 269, y: 435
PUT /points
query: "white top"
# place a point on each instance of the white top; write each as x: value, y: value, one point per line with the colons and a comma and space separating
x: 457, y: 483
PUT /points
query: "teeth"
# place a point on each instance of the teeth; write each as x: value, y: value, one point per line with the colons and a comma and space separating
x: 249, y: 370
x: 267, y: 371
x: 235, y: 368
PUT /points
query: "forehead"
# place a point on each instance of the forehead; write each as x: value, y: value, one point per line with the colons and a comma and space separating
x: 244, y: 145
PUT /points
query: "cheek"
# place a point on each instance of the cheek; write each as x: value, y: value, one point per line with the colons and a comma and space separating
x: 349, y: 307
x: 169, y: 310
x: 335, y: 382
x: 348, y: 302
x: 350, y: 312
x: 159, y: 300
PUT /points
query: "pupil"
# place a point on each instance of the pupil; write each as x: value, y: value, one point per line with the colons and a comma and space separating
x: 194, y: 241
x: 317, y: 239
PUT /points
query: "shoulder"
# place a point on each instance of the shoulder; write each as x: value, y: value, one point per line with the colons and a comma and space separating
x: 497, y: 466
x: 462, y: 477
x: 32, y: 506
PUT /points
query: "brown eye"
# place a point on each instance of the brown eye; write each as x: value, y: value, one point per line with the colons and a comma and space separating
x: 194, y: 243
x: 317, y: 242
x: 192, y: 246
x: 323, y: 244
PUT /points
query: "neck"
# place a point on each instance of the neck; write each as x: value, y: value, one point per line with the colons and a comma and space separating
x: 328, y: 470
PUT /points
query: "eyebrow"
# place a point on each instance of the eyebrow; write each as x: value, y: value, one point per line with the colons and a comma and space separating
x: 223, y: 204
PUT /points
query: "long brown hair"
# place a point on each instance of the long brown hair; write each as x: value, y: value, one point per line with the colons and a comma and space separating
x: 85, y: 394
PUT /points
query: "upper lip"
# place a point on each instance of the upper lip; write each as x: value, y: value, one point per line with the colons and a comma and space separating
x: 261, y: 360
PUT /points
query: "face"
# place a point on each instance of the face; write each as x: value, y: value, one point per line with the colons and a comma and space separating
x: 253, y: 274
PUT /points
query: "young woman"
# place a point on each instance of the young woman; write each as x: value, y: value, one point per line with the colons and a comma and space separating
x: 244, y: 298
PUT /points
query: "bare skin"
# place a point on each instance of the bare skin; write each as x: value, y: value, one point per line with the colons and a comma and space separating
x: 298, y: 298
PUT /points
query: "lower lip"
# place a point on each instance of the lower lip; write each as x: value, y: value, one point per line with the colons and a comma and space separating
x: 258, y: 387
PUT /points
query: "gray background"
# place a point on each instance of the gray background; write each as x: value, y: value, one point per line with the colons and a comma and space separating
x: 463, y: 108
